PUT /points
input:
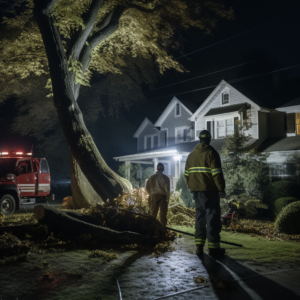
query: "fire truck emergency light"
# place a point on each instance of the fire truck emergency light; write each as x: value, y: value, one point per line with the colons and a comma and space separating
x: 4, y: 153
x: 19, y: 153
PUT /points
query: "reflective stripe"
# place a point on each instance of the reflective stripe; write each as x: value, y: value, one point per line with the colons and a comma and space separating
x: 186, y: 173
x: 216, y: 171
x: 199, y: 241
x: 200, y: 170
x: 213, y: 245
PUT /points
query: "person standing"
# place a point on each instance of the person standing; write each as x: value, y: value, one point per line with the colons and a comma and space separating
x: 204, y: 177
x: 158, y: 188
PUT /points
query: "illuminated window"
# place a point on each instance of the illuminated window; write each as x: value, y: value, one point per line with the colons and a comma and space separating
x: 298, y: 123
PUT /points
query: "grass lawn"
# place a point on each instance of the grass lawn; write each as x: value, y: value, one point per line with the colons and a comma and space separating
x: 256, y: 249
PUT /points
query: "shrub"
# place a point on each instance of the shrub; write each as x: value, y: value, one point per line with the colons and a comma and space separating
x: 186, y: 194
x: 280, y: 203
x: 280, y: 189
x: 288, y: 220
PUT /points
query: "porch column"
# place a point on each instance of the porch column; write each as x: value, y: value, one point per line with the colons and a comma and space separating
x: 155, y: 161
x: 127, y: 163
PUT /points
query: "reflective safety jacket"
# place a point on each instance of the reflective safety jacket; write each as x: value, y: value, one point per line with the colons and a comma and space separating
x: 203, y: 170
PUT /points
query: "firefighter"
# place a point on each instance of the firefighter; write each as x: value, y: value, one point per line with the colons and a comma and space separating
x: 204, y: 177
x: 158, y: 188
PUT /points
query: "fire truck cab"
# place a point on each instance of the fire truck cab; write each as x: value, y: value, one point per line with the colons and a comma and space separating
x: 23, y: 180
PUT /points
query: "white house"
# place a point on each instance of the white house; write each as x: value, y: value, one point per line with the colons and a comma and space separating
x: 174, y: 135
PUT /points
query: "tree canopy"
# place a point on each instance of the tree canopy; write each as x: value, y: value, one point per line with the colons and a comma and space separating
x: 144, y: 30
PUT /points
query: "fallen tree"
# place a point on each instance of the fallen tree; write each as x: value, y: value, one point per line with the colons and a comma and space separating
x: 119, y: 224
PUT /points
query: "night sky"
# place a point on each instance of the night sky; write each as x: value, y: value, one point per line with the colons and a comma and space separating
x: 264, y: 37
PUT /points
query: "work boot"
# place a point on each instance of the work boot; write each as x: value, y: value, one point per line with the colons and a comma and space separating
x: 199, y: 249
x: 216, y: 252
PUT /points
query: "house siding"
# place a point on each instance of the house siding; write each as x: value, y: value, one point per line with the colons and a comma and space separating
x: 250, y: 116
x: 276, y: 124
x: 147, y: 131
x: 171, y: 122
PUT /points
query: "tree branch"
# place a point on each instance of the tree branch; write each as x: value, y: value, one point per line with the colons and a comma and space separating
x: 107, y: 27
x: 79, y: 39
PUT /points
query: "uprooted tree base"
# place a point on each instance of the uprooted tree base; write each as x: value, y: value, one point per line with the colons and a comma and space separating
x: 106, y: 223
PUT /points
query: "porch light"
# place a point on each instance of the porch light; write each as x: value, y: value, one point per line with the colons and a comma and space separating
x: 177, y: 157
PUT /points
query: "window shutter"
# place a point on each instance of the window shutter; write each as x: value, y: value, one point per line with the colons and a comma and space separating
x: 212, y: 129
x: 209, y: 127
x: 236, y: 126
x: 290, y: 118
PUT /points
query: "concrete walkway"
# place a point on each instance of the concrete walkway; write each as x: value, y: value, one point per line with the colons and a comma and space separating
x: 151, y: 278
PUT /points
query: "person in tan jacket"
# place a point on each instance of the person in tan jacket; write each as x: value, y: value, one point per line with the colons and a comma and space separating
x: 158, y: 188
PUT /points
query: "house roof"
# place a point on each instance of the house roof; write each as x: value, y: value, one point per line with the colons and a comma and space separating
x: 167, y: 111
x: 282, y: 144
x: 142, y: 127
x: 226, y: 109
x: 292, y: 103
x: 222, y: 85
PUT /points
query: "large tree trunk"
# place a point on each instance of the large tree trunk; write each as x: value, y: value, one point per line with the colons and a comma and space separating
x: 105, y: 182
x: 83, y: 193
x: 73, y: 224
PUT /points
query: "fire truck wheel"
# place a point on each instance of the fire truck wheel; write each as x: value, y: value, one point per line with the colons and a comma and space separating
x: 7, y: 204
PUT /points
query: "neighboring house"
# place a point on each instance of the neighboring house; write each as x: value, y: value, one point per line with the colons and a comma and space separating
x: 174, y: 135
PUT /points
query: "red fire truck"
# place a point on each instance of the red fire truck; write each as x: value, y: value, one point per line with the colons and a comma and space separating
x: 23, y: 180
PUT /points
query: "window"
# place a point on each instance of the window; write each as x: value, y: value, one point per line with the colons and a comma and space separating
x: 229, y: 127
x: 225, y: 98
x: 220, y: 129
x: 181, y: 135
x: 283, y: 169
x: 44, y: 166
x: 151, y: 141
x: 155, y: 141
x: 177, y: 110
x: 225, y: 127
x: 148, y: 142
x: 298, y: 123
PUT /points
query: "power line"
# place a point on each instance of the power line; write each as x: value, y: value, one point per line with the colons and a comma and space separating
x: 208, y: 74
x: 232, y: 37
x: 230, y: 81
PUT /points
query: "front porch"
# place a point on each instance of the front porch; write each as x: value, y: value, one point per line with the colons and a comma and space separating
x: 173, y: 160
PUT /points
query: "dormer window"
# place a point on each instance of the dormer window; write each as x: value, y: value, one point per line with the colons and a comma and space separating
x: 177, y: 110
x: 225, y: 98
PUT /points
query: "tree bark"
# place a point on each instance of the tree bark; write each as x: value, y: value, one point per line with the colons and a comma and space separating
x: 83, y: 193
x: 73, y: 224
x: 104, y: 181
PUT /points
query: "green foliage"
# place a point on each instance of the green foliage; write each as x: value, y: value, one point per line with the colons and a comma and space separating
x: 186, y: 194
x: 280, y: 203
x: 133, y: 170
x: 280, y: 189
x: 246, y: 205
x: 288, y: 220
x: 147, y: 173
x: 245, y: 169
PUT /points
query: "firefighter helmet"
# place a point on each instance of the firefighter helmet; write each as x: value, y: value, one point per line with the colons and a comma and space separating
x: 204, y: 134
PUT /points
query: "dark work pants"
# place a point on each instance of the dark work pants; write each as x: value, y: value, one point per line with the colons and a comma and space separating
x: 208, y: 218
